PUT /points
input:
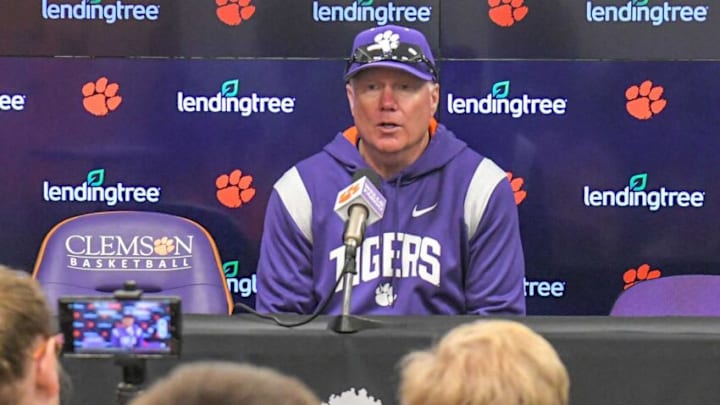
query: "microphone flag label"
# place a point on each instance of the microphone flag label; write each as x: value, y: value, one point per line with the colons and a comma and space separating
x: 364, y: 193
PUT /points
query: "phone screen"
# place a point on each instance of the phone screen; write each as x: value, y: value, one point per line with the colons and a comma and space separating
x: 106, y: 327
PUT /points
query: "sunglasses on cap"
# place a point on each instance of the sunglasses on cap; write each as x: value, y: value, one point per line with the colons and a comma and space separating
x: 404, y: 53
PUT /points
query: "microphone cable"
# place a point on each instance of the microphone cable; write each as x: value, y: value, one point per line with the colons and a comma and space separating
x: 349, y: 261
x: 310, y: 318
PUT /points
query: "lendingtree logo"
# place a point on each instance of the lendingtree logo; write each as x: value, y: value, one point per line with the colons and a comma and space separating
x: 112, y: 11
x: 12, y: 102
x: 93, y: 189
x: 643, y: 11
x: 229, y: 100
x: 498, y: 101
x: 245, y: 286
x: 365, y: 10
x: 636, y: 194
x: 544, y: 288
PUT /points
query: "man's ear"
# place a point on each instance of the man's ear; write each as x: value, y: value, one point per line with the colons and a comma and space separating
x: 350, y: 96
x: 47, y: 382
x: 434, y: 97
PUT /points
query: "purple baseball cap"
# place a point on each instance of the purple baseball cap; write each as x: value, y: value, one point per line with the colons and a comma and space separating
x: 394, y: 47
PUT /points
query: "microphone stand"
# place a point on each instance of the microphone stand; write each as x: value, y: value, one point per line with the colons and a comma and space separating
x: 133, y: 371
x: 345, y: 322
x: 133, y: 368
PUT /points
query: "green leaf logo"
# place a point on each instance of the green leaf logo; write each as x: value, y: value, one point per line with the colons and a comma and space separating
x: 95, y: 1
x: 638, y: 182
x: 501, y: 89
x: 96, y: 178
x: 231, y: 268
x: 365, y: 3
x: 640, y: 3
x: 230, y: 88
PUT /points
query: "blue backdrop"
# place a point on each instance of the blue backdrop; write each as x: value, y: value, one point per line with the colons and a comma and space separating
x: 598, y: 126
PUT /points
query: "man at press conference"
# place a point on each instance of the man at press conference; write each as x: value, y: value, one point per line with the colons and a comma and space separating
x: 435, y: 233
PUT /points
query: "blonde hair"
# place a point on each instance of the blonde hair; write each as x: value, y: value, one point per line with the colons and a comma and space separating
x: 24, y: 317
x: 218, y: 382
x: 486, y: 362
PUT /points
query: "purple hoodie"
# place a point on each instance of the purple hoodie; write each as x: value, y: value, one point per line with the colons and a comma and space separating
x: 448, y: 243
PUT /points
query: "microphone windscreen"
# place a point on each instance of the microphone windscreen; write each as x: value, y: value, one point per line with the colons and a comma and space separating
x: 370, y: 174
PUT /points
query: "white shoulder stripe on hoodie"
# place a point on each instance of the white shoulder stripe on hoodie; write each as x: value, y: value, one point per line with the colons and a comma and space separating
x: 486, y: 177
x: 296, y: 199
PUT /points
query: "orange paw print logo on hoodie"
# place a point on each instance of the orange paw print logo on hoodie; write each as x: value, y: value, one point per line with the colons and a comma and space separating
x: 234, y: 190
x: 645, y: 101
x: 101, y: 97
x: 507, y: 12
x: 233, y: 12
x: 642, y: 273
x: 517, y: 184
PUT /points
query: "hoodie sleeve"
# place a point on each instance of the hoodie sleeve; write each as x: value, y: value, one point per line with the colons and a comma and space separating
x: 285, y: 282
x: 496, y: 265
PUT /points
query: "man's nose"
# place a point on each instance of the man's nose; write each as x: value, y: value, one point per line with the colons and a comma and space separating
x: 387, y: 98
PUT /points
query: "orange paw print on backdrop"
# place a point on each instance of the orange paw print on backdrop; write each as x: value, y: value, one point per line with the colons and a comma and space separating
x: 233, y: 12
x: 507, y: 12
x: 644, y: 101
x: 99, y: 97
x: 642, y: 273
x: 234, y: 190
x: 516, y: 184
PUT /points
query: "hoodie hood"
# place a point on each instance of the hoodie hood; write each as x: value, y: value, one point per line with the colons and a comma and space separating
x: 443, y: 147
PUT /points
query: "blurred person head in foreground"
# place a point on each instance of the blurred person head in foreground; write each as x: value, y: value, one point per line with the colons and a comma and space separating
x: 483, y: 363
x: 217, y: 382
x: 29, y: 365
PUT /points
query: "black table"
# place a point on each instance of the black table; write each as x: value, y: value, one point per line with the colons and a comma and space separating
x: 632, y: 361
